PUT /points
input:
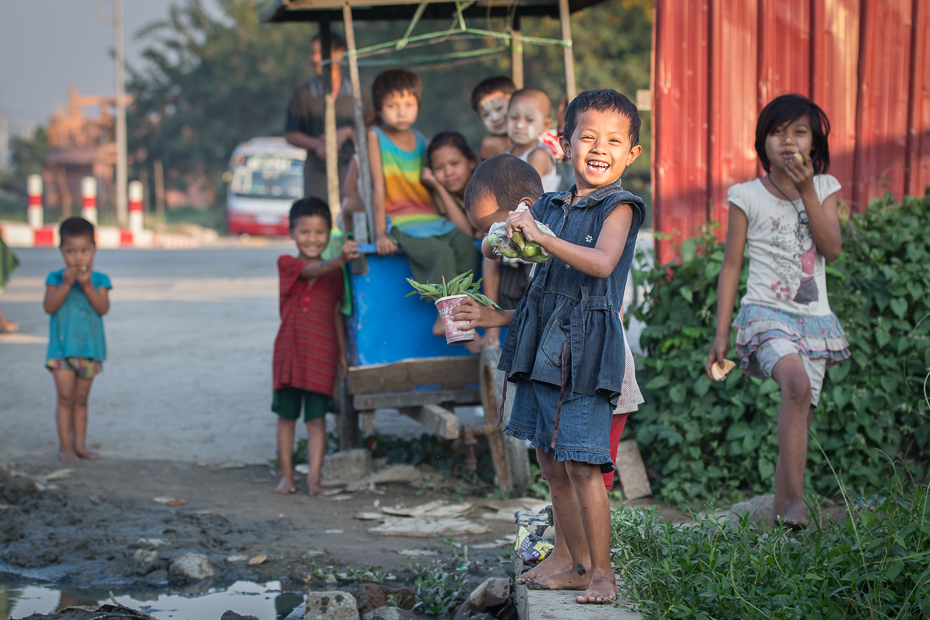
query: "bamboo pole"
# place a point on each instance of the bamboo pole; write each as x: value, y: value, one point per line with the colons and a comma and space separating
x: 329, y: 136
x: 516, y: 53
x: 361, y: 136
x: 564, y: 18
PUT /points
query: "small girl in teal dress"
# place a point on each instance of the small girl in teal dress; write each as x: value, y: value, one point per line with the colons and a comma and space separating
x: 76, y: 297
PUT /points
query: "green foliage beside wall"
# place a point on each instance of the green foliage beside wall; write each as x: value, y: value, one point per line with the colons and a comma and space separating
x: 712, y: 440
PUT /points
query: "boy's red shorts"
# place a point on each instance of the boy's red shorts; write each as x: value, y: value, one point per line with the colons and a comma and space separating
x: 616, y: 430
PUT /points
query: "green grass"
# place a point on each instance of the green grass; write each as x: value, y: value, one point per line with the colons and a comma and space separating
x: 873, y: 562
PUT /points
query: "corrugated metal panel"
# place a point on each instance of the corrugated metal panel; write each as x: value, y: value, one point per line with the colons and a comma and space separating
x: 784, y: 29
x: 918, y: 136
x: 835, y: 71
x: 866, y: 62
x: 680, y: 162
x: 734, y: 49
x: 884, y: 88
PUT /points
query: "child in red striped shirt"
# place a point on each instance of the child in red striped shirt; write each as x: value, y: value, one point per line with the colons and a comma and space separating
x: 310, y: 349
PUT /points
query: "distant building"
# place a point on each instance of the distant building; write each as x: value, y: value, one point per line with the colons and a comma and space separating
x: 80, y: 146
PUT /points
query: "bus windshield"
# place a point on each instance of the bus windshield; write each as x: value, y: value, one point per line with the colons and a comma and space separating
x: 268, y: 176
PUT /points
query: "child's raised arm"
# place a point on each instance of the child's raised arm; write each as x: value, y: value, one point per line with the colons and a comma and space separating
x: 728, y: 285
x: 597, y: 262
x: 384, y: 243
x: 824, y: 218
x: 318, y: 268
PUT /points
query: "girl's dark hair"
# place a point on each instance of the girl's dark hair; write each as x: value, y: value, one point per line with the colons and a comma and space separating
x: 76, y: 227
x: 507, y: 179
x: 449, y: 138
x: 395, y: 81
x: 306, y: 207
x: 606, y: 100
x: 788, y: 108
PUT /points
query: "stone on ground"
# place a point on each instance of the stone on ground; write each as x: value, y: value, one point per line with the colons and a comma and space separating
x: 330, y: 606
x: 758, y: 508
x: 492, y: 592
x: 190, y: 567
x: 144, y: 561
x: 390, y: 613
x: 343, y: 467
x: 371, y: 596
x: 231, y: 615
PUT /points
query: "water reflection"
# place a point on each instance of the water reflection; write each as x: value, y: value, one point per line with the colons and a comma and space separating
x: 273, y: 600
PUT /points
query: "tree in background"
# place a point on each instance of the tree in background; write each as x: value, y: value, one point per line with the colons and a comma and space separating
x: 214, y: 78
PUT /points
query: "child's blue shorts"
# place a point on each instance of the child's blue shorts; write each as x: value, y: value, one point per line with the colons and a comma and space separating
x: 584, y: 425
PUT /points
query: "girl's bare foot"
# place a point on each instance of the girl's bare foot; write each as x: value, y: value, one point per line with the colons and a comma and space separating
x: 795, y: 518
x: 285, y: 486
x: 550, y: 566
x: 68, y: 456
x: 314, y: 488
x: 84, y: 453
x: 602, y: 589
x: 571, y: 579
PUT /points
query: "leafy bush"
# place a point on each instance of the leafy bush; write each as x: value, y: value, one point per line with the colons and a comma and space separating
x: 716, y: 440
x: 871, y: 564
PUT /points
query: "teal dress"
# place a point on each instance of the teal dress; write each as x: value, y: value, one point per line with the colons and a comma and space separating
x: 76, y: 330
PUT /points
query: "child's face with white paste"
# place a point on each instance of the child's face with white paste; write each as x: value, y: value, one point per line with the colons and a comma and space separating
x: 492, y: 110
x: 525, y: 122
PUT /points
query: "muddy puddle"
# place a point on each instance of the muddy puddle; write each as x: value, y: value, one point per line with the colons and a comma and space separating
x: 273, y: 600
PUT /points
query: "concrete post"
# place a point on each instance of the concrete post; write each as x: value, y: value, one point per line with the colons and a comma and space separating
x: 135, y: 207
x: 89, y: 196
x: 34, y: 189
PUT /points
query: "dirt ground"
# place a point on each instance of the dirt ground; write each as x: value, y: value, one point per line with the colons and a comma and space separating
x: 85, y: 529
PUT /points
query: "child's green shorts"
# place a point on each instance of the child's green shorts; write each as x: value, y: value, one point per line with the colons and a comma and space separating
x: 286, y: 403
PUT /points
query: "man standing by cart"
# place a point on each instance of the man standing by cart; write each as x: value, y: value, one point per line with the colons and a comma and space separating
x: 304, y: 127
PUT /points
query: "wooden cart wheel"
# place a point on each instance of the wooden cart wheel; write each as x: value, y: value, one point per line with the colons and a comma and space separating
x: 511, y: 460
x: 348, y: 420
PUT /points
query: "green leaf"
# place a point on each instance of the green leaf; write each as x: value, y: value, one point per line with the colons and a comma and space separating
x: 677, y: 393
x: 899, y: 306
x: 657, y: 382
x: 687, y: 294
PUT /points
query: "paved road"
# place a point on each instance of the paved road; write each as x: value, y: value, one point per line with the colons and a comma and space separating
x: 188, y: 372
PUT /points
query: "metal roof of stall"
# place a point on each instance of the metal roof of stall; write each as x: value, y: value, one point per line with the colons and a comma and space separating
x: 368, y: 10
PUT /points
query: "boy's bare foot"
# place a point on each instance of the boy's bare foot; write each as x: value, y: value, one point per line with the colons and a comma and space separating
x: 602, y: 589
x: 313, y: 488
x: 794, y: 519
x: 84, y: 453
x: 68, y: 456
x: 570, y: 579
x: 285, y: 486
x: 550, y: 566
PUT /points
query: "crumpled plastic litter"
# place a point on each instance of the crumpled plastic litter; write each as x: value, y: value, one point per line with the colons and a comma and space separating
x: 532, y: 549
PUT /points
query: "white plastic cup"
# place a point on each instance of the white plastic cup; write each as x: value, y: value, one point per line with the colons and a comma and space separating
x: 454, y: 331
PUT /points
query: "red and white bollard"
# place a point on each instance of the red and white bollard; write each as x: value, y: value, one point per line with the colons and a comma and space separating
x: 89, y: 195
x: 34, y: 189
x: 135, y: 207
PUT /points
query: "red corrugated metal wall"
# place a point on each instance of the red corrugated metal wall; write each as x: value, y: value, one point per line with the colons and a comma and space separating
x: 718, y: 62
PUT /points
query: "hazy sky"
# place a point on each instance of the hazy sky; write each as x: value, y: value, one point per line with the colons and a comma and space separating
x: 47, y: 44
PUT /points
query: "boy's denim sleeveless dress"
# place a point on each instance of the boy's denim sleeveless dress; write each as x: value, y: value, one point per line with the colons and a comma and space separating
x: 565, y: 345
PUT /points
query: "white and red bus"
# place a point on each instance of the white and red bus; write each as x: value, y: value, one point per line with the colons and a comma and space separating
x: 265, y: 178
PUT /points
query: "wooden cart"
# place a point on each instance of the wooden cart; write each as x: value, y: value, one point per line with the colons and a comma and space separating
x: 396, y: 362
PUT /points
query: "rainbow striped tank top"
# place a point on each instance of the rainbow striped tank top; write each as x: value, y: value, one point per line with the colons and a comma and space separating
x: 407, y: 202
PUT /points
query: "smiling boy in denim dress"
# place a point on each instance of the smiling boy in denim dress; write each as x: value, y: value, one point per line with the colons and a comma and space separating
x: 561, y: 349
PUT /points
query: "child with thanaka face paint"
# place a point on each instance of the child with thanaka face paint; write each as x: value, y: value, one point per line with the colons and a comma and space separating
x: 490, y: 99
x: 528, y: 118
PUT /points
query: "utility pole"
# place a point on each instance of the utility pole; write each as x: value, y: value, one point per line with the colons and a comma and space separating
x: 121, y: 178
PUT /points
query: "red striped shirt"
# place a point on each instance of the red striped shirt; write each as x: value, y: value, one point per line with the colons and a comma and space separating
x: 306, y: 351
